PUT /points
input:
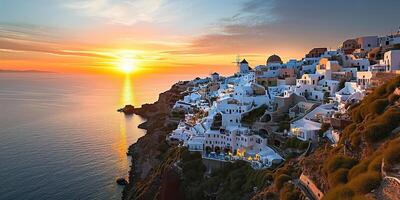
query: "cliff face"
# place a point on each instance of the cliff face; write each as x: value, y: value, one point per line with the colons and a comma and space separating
x: 149, y: 151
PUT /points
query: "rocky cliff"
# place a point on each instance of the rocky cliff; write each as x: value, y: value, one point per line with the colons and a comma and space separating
x: 149, y: 151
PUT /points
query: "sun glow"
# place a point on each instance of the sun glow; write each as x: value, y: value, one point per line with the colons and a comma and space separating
x: 127, y: 65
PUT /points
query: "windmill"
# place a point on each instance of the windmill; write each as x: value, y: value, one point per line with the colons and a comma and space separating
x: 237, y: 62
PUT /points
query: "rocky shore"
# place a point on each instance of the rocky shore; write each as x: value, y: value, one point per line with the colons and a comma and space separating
x: 148, y: 152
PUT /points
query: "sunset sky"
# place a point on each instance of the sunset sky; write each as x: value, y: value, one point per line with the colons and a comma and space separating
x: 179, y: 36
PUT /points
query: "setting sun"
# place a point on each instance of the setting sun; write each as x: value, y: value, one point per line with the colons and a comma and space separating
x: 127, y: 65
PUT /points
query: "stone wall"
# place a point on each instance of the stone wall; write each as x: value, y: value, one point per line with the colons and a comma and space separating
x: 307, y: 182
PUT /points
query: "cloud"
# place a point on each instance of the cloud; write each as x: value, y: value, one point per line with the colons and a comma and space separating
x: 29, y: 38
x: 125, y: 12
x: 292, y: 27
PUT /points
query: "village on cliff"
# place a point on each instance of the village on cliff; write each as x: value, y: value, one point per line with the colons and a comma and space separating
x: 264, y: 114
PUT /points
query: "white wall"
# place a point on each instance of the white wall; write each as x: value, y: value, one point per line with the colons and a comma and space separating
x: 392, y: 60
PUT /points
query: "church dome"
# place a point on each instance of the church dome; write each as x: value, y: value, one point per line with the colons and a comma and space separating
x: 274, y: 59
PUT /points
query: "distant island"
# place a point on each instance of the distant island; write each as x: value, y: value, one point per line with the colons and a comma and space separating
x: 23, y: 71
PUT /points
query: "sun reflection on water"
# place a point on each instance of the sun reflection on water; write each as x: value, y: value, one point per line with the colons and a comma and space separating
x: 126, y: 97
x: 127, y: 92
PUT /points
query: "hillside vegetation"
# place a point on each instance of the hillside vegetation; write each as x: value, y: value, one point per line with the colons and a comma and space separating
x: 353, y: 169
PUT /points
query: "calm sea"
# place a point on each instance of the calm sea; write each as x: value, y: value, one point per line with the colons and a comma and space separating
x: 61, y: 137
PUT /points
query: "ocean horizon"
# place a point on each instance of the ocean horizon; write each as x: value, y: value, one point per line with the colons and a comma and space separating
x: 61, y: 137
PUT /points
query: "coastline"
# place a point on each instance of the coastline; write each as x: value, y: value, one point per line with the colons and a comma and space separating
x: 149, y: 150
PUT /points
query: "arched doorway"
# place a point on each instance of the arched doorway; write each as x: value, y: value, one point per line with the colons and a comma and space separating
x: 208, y: 149
x: 217, y: 150
x: 263, y: 132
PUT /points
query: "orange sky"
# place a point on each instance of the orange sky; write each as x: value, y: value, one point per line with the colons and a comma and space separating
x: 172, y: 36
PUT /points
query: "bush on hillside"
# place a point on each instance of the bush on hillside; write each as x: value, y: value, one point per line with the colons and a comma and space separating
x: 391, y: 154
x: 254, y: 115
x: 393, y: 84
x: 375, y: 164
x: 365, y: 182
x: 383, y: 91
x: 383, y: 125
x: 378, y: 106
x: 376, y: 132
x: 338, y: 177
x: 295, y: 143
x: 391, y: 118
x: 348, y: 131
x: 360, y: 197
x: 338, y: 161
x: 192, y: 165
x: 282, y: 179
x: 340, y: 192
x: 358, y: 169
x: 355, y: 139
x: 287, y: 170
x: 289, y: 192
x: 393, y: 98
x: 232, y: 181
x: 356, y: 115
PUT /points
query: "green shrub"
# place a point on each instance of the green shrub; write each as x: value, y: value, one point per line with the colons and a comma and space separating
x: 360, y: 197
x: 338, y: 177
x: 380, y: 91
x: 358, y: 169
x: 294, y: 142
x: 254, y: 115
x: 375, y: 164
x: 348, y: 132
x: 192, y: 166
x: 378, y: 106
x: 376, y: 132
x: 340, y: 192
x: 393, y: 84
x: 289, y: 192
x: 390, y: 118
x: 382, y: 126
x: 339, y: 161
x: 392, y: 154
x: 282, y: 179
x: 286, y: 169
x: 356, y: 114
x: 365, y: 182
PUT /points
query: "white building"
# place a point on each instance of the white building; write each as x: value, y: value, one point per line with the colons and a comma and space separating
x: 215, y: 77
x: 304, y: 129
x: 244, y: 66
x: 392, y: 60
x: 364, y: 79
x: 389, y: 39
x: 367, y: 43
